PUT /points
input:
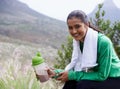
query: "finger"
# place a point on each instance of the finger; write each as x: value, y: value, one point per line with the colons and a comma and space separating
x: 51, y: 76
x: 60, y: 77
x: 46, y: 68
x: 60, y: 74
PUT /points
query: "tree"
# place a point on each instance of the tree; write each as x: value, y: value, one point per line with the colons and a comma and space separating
x: 112, y: 30
x: 64, y: 54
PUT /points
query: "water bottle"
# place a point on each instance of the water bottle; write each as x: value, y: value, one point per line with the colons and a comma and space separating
x: 39, y: 67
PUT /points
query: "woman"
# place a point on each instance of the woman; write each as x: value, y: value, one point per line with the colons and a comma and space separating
x: 94, y: 63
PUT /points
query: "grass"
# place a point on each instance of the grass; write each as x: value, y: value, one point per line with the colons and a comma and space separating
x: 16, y: 71
x: 13, y: 76
x: 16, y: 76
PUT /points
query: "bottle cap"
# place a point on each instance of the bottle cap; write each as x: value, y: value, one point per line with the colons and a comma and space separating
x: 37, y: 59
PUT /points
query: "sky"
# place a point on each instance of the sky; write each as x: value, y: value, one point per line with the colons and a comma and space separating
x: 59, y: 9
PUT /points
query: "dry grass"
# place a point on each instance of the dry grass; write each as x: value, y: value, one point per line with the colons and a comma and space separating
x: 16, y: 70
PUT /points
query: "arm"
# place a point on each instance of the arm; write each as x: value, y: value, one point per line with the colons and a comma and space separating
x: 104, y: 64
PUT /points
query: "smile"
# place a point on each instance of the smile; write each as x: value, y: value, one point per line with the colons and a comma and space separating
x: 76, y: 35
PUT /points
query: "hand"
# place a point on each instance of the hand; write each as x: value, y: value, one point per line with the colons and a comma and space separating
x: 50, y: 72
x: 63, y: 76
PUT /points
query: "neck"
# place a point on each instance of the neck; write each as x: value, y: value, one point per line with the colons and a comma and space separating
x: 82, y: 40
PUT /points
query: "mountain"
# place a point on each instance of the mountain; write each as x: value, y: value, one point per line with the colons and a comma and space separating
x: 112, y: 12
x: 18, y: 21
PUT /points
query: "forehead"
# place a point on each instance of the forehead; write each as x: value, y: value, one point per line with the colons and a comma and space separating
x: 74, y: 20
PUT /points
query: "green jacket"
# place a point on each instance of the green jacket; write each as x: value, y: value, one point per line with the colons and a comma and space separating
x: 108, y: 63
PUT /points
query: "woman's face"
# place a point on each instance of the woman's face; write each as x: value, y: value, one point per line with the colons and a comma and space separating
x: 77, y: 28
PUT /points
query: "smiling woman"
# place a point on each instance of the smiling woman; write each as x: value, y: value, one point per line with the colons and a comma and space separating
x: 94, y: 61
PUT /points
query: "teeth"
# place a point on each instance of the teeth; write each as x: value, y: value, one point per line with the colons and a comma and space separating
x: 76, y: 34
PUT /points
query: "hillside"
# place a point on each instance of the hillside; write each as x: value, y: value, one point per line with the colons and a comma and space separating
x: 112, y: 12
x: 27, y: 31
x: 18, y: 21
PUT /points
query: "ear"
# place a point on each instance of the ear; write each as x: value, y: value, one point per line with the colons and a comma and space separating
x: 86, y: 25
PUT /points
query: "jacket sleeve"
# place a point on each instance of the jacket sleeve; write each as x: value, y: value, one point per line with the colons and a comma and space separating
x: 104, y: 64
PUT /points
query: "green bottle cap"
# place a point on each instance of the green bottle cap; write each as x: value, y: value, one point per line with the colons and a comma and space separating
x: 37, y: 59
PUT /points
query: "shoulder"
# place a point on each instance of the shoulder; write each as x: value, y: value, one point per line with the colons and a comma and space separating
x: 105, y: 46
x: 103, y: 40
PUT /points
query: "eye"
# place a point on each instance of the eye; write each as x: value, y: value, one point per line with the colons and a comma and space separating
x: 70, y: 28
x: 77, y: 26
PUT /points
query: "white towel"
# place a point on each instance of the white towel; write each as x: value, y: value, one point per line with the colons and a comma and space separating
x: 88, y: 58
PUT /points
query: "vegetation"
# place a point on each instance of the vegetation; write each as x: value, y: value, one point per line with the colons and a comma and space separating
x: 13, y: 78
x: 65, y: 54
x: 112, y: 30
x: 13, y: 75
x: 16, y: 71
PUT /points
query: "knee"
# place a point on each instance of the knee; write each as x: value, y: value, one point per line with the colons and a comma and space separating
x: 70, y: 85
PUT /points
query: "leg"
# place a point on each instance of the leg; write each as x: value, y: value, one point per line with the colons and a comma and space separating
x: 85, y: 84
x: 70, y: 84
x: 110, y: 83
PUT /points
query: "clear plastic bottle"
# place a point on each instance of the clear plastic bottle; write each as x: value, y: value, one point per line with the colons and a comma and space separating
x: 39, y: 67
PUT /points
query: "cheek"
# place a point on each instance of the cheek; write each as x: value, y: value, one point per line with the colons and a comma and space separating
x: 81, y: 32
x: 70, y: 32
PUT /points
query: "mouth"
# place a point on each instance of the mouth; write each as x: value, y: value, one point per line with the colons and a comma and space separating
x: 75, y: 35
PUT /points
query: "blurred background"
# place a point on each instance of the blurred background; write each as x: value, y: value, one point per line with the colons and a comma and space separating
x: 31, y: 26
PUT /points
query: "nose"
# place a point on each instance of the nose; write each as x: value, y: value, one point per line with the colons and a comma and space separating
x: 74, y: 30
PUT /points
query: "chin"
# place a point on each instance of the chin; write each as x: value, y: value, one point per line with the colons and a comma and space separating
x: 76, y: 39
